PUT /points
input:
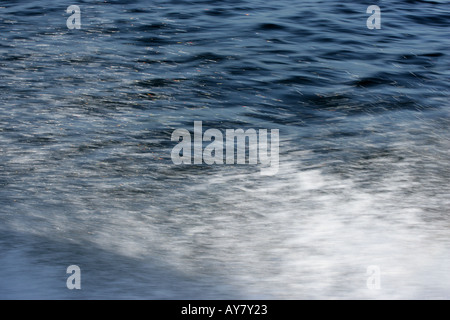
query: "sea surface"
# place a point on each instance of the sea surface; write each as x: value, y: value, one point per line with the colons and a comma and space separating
x: 87, y: 179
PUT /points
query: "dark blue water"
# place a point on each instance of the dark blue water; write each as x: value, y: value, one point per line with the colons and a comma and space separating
x: 86, y: 176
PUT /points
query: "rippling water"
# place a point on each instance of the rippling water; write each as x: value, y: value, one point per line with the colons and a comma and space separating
x: 86, y: 176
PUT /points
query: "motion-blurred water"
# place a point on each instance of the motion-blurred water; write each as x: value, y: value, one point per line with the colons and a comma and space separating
x: 86, y: 176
